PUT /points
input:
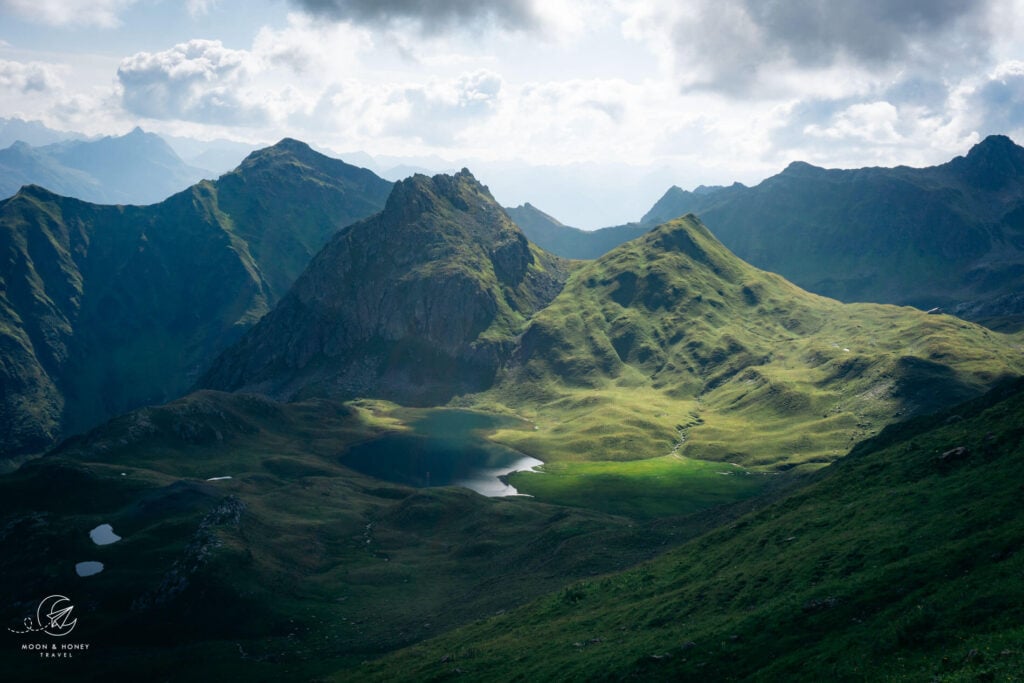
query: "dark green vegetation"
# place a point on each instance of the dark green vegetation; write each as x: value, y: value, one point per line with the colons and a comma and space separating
x: 137, y: 168
x: 948, y: 236
x: 293, y: 568
x: 900, y: 562
x: 106, y: 308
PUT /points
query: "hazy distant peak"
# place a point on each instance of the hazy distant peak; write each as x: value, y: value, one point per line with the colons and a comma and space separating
x: 36, y: 192
x: 798, y: 167
x: 537, y: 213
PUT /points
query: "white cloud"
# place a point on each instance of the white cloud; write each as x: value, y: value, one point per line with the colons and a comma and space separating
x: 873, y: 122
x: 103, y: 13
x: 994, y: 103
x: 325, y: 51
x: 28, y: 77
x: 200, y: 80
x: 199, y: 8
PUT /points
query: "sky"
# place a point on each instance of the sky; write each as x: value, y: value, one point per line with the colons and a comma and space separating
x: 589, y: 109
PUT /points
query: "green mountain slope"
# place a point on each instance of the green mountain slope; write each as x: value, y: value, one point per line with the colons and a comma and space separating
x: 671, y: 343
x: 105, y: 308
x: 418, y: 303
x: 900, y: 562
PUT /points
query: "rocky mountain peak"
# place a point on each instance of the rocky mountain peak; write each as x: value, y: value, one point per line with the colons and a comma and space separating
x: 993, y: 164
x: 418, y: 302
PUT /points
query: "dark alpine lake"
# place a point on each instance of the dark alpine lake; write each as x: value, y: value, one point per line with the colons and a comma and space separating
x: 444, y: 448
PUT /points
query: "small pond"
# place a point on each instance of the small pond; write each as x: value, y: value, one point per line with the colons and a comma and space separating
x: 444, y: 448
x: 88, y: 568
x: 104, y: 535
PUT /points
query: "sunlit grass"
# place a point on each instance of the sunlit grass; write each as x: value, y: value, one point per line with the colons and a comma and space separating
x: 658, y: 487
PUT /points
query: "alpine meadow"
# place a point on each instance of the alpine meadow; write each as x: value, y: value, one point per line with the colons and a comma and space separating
x: 300, y: 382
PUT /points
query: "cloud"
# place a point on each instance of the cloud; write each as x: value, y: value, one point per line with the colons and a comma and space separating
x: 438, y: 111
x: 200, y: 80
x: 310, y: 48
x: 1000, y: 100
x: 737, y: 46
x: 433, y: 17
x: 872, y: 122
x: 27, y: 77
x: 103, y: 13
x: 199, y: 8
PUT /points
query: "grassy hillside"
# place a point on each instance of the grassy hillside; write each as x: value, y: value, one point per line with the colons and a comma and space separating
x: 672, y: 344
x: 901, y: 562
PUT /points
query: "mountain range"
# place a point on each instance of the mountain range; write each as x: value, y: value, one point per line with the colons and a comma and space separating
x: 741, y: 479
x: 106, y: 308
x: 136, y: 168
x: 34, y: 133
x: 440, y: 298
x: 947, y: 236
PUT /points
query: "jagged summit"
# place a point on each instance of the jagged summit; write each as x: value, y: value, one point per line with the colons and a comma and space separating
x: 993, y: 164
x: 416, y: 304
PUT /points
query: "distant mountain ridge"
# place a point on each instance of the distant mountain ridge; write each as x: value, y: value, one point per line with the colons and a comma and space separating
x: 136, y: 168
x: 548, y: 233
x: 34, y: 133
x: 944, y: 236
x: 106, y: 308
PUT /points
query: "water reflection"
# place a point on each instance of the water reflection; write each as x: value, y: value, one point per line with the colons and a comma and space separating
x: 445, y: 448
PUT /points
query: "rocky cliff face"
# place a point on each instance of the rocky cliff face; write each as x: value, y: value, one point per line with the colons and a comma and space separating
x: 416, y: 304
x: 106, y: 308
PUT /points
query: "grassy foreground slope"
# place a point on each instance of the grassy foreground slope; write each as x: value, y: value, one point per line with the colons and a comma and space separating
x: 901, y: 562
x: 250, y: 552
x: 670, y: 343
